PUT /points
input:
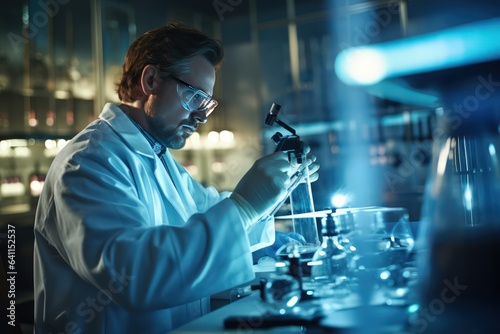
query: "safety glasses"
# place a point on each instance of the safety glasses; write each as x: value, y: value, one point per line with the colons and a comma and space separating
x: 193, y: 99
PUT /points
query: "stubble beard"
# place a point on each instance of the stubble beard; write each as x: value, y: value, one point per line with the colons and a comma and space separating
x: 170, y: 138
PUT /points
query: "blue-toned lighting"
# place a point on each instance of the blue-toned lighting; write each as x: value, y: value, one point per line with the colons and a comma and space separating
x: 280, y: 264
x: 493, y: 155
x: 385, y: 275
x: 400, y: 292
x: 413, y: 308
x: 363, y: 66
x: 292, y: 301
x: 468, y: 197
x: 463, y: 45
x: 492, y: 150
x: 339, y: 200
x: 314, y: 263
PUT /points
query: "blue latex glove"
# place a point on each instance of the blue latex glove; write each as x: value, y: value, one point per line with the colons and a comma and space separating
x: 281, y: 239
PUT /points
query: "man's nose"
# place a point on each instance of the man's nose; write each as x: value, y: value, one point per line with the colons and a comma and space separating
x: 200, y: 116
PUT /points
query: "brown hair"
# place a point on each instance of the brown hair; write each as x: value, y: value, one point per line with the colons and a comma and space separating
x: 169, y: 46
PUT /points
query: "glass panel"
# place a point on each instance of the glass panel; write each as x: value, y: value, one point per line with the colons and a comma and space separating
x: 374, y: 26
x: 303, y: 7
x: 316, y: 55
x: 275, y: 69
x: 271, y: 10
x: 117, y: 23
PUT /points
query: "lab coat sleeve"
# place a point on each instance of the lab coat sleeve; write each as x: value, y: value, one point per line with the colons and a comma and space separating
x: 260, y: 235
x: 100, y: 231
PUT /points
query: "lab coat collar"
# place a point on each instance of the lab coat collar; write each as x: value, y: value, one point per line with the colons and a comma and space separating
x: 122, y: 124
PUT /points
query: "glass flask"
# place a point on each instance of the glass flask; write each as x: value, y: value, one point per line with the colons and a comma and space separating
x: 329, y: 266
x: 383, y: 237
x: 459, y: 239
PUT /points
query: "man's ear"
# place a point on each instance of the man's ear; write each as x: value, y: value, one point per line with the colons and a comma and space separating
x: 150, y: 79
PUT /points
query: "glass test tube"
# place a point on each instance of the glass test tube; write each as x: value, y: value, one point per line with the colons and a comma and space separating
x: 301, y: 201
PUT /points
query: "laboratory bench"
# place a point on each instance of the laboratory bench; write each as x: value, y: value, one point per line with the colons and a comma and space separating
x: 246, y: 309
x: 251, y: 315
x: 461, y: 306
x: 318, y: 315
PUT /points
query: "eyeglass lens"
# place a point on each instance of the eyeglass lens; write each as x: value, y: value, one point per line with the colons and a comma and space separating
x: 195, y: 99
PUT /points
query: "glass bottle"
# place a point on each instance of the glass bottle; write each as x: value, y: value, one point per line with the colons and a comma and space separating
x: 330, y: 262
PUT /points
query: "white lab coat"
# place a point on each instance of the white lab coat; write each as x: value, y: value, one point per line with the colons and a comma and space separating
x: 121, y: 248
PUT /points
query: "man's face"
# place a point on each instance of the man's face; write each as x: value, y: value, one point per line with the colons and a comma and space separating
x: 168, y: 120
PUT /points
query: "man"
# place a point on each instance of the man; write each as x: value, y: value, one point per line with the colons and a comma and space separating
x: 125, y: 240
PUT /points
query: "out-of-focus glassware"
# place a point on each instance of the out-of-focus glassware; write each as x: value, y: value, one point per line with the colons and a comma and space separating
x: 381, y: 243
x: 240, y: 292
x: 382, y: 237
x: 289, y: 253
x: 329, y: 264
x: 282, y: 291
x: 458, y: 245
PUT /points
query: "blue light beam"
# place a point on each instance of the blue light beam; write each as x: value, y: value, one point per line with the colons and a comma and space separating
x: 463, y: 45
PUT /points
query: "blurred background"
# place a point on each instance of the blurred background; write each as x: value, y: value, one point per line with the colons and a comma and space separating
x: 60, y: 59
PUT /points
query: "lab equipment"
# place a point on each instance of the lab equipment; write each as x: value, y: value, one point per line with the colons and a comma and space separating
x: 282, y: 290
x: 330, y: 265
x: 459, y: 233
x: 459, y: 247
x: 240, y: 292
x: 299, y: 192
x: 382, y: 236
x: 291, y: 143
x: 301, y: 201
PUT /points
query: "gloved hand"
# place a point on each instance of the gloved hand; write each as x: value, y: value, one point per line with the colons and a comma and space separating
x: 262, y: 188
x: 281, y: 239
x: 313, y: 168
x: 310, y: 162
